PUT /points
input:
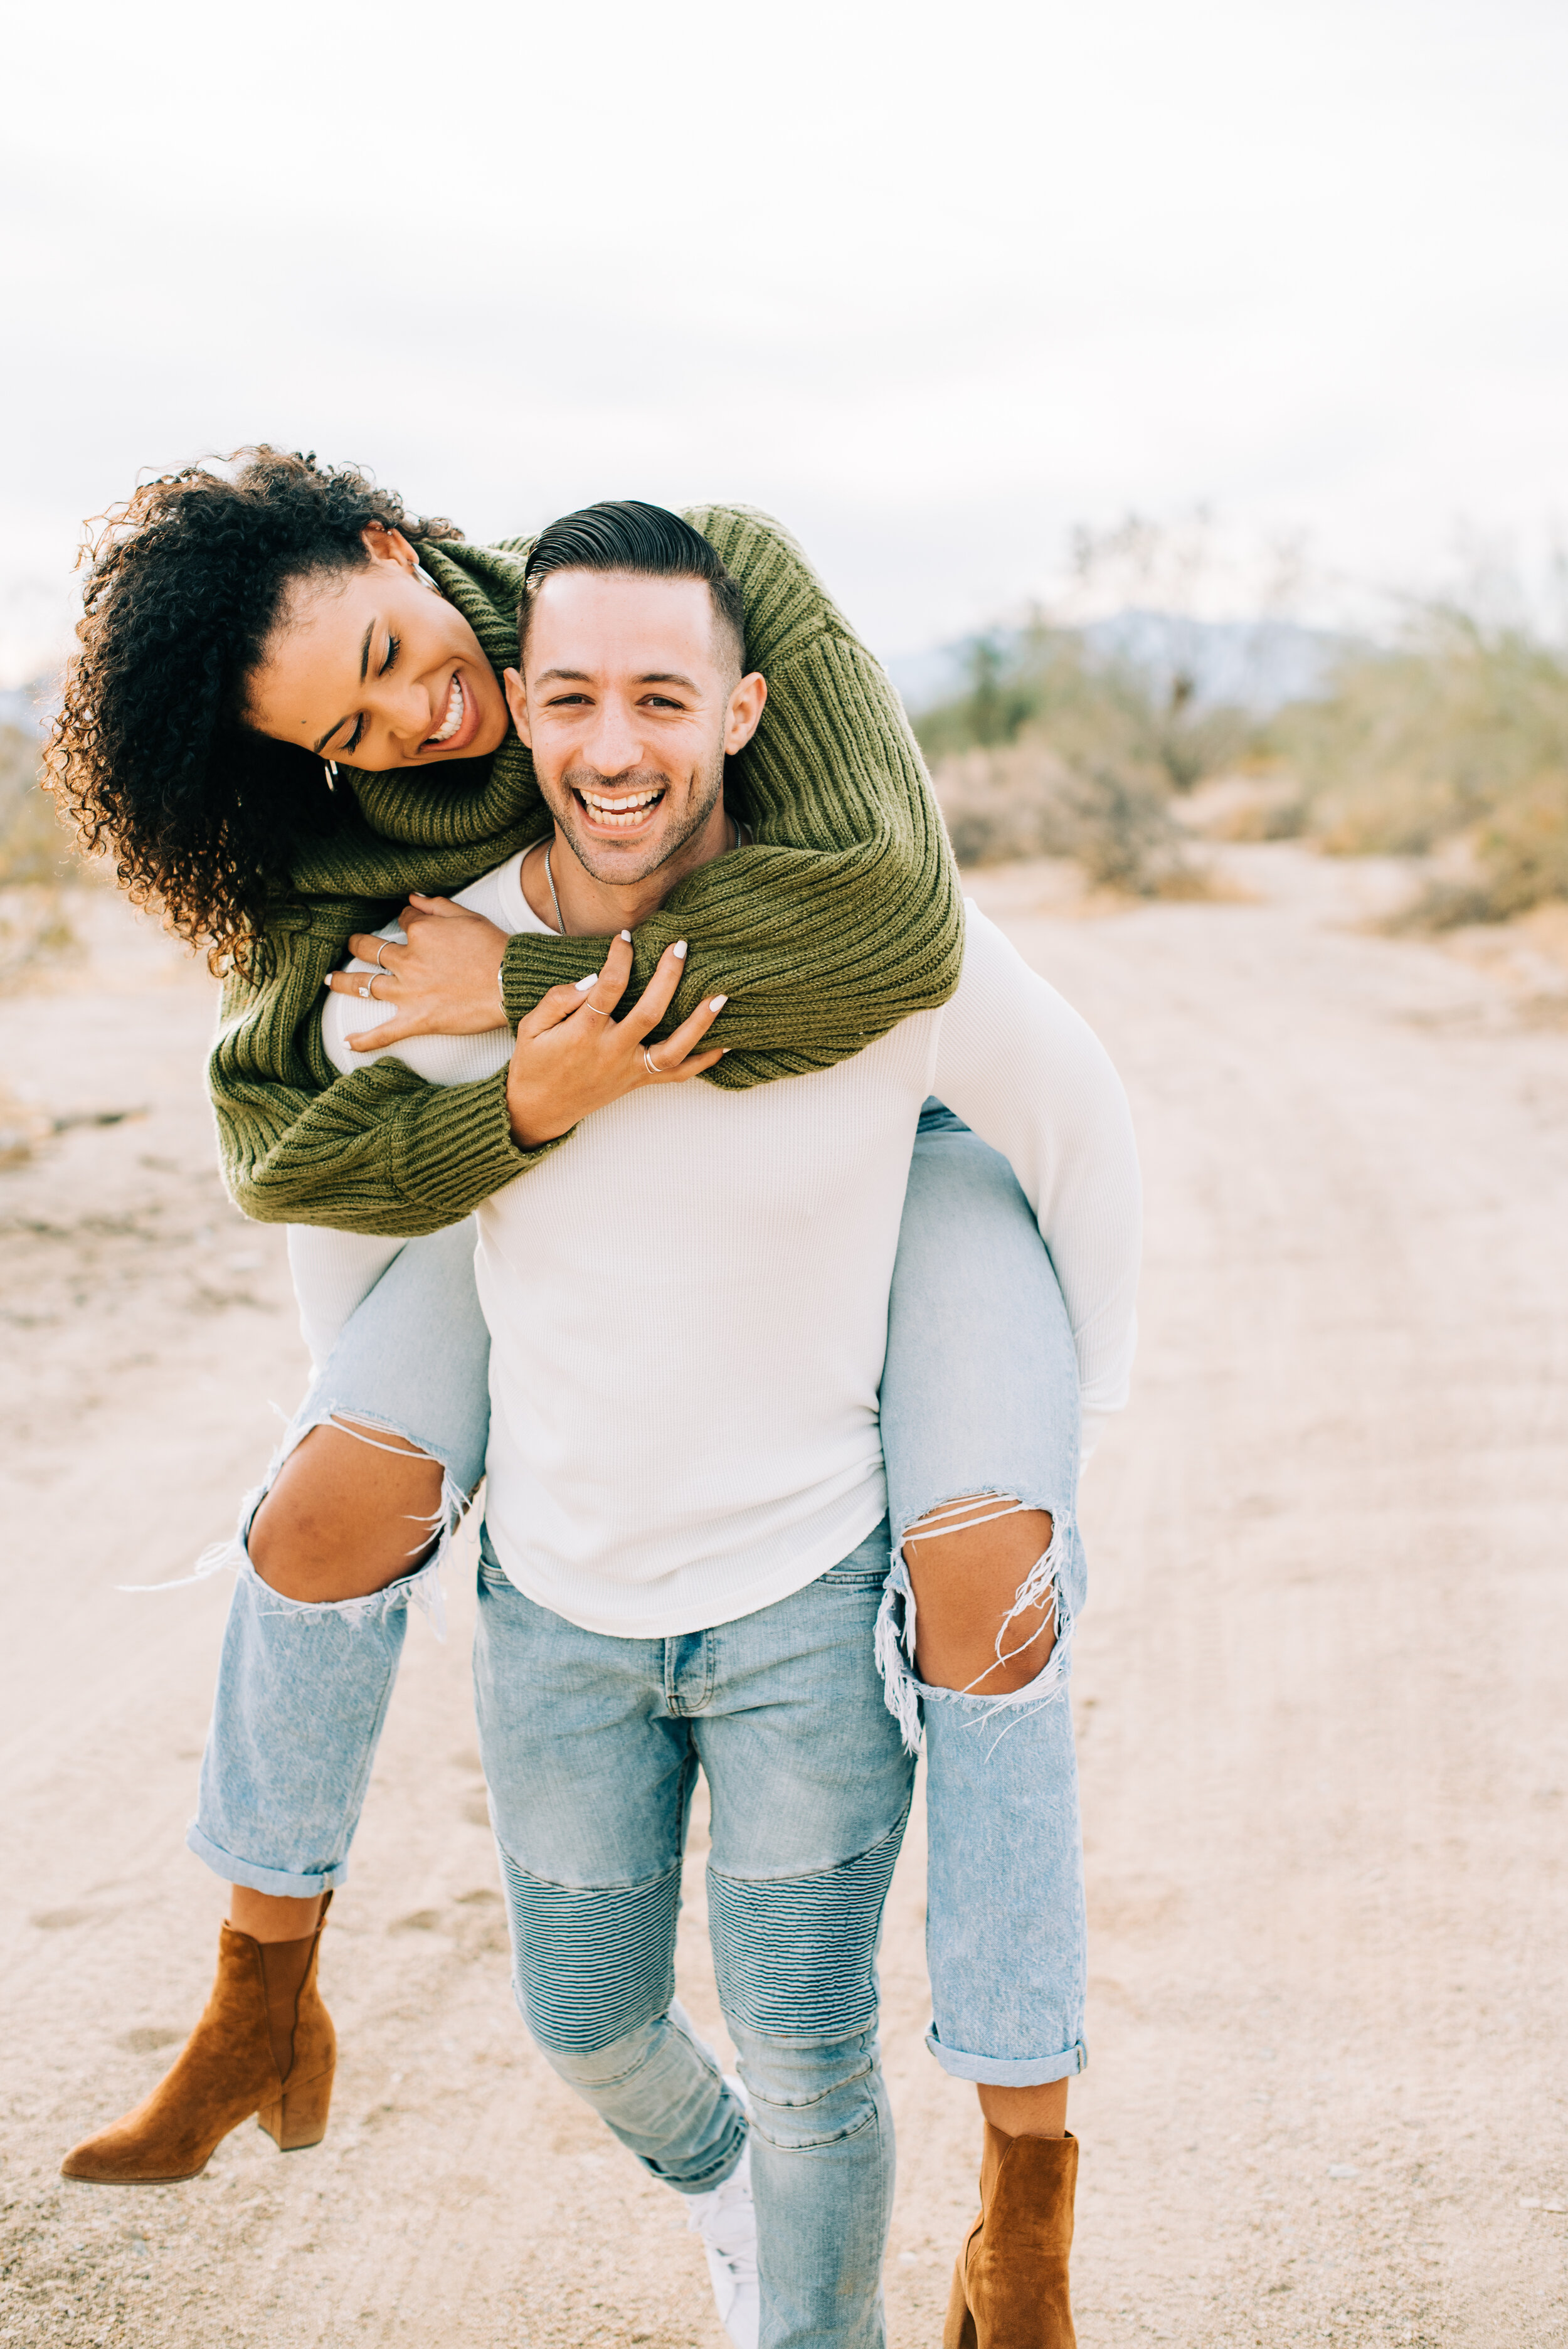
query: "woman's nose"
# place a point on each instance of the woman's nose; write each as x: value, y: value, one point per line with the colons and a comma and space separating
x: 411, y: 716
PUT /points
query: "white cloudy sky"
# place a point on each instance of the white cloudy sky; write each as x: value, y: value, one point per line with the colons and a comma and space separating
x: 931, y: 282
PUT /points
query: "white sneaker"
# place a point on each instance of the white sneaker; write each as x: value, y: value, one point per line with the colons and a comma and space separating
x: 726, y: 2221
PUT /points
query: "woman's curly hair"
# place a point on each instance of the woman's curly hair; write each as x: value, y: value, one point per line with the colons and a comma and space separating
x: 150, y: 755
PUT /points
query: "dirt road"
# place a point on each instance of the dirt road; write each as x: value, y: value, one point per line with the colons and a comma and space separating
x: 1320, y: 1688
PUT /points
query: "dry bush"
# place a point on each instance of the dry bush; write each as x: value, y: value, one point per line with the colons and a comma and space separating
x: 1459, y: 736
x: 34, y: 845
x: 1111, y: 818
x: 1049, y: 754
x: 36, y: 860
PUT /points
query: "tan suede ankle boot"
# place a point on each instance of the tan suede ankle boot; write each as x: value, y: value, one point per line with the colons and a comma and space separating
x: 1010, y: 2286
x: 264, y: 2045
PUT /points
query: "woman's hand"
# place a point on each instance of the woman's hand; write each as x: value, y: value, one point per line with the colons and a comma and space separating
x: 445, y: 982
x: 572, y: 1056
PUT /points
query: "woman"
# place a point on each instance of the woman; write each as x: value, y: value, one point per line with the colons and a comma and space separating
x: 216, y: 613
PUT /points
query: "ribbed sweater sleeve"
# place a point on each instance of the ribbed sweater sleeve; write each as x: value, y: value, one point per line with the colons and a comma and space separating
x: 840, y: 919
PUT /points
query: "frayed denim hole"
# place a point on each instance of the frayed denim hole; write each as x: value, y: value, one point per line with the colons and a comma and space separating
x: 423, y: 1589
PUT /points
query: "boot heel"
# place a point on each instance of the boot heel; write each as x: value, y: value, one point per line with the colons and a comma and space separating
x: 298, y: 2119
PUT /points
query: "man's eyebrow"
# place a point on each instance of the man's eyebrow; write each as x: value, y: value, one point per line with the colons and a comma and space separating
x: 364, y: 664
x: 649, y: 676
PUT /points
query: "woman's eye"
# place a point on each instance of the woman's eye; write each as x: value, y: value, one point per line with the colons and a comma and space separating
x: 393, y: 646
x: 356, y: 738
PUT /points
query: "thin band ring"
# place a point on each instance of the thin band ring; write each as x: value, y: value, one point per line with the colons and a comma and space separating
x: 651, y: 1065
x: 593, y: 1007
x: 380, y: 951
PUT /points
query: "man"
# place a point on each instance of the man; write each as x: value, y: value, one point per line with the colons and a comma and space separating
x: 685, y: 1547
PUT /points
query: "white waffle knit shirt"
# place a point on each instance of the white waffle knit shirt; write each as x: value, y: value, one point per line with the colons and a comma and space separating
x: 687, y: 1300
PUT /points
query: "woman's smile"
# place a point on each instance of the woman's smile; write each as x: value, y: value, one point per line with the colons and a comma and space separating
x: 459, y: 721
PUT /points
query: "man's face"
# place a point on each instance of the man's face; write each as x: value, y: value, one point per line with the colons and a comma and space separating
x: 630, y: 700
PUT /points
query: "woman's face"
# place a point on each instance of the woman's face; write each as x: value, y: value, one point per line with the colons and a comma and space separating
x: 373, y: 667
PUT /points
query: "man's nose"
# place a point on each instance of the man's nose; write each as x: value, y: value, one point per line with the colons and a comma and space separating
x: 614, y: 744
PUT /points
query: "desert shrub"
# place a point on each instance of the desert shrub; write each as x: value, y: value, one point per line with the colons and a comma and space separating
x: 1051, y: 754
x: 1460, y: 735
x: 33, y: 846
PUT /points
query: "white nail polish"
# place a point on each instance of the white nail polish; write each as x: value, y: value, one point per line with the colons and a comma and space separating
x: 679, y: 949
x: 628, y: 936
x: 585, y: 984
x: 718, y: 1003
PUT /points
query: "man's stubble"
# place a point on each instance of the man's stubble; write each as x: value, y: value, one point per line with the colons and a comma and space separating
x: 707, y: 791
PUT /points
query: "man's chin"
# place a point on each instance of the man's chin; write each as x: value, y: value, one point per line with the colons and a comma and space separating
x: 619, y: 863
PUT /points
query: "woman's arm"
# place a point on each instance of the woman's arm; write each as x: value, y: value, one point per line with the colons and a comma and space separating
x: 377, y: 1151
x: 842, y: 920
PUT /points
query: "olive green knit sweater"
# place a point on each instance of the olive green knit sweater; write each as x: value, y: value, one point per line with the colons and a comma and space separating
x: 841, y: 920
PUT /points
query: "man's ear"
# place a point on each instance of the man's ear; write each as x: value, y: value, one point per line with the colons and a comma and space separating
x: 517, y: 702
x: 740, y: 720
x: 384, y: 545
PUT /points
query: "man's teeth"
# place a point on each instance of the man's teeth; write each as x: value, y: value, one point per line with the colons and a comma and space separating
x: 453, y: 718
x: 623, y: 813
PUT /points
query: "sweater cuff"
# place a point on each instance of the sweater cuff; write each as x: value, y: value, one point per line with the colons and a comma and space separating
x: 453, y: 1167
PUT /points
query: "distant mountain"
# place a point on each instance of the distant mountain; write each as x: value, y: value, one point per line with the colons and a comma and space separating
x: 1255, y: 665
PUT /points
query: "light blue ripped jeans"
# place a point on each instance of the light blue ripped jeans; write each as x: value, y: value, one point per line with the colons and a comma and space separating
x: 979, y: 1395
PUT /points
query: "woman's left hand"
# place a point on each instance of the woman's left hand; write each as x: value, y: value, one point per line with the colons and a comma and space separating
x: 445, y: 982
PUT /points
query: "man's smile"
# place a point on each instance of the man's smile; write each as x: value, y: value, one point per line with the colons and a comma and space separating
x: 620, y: 814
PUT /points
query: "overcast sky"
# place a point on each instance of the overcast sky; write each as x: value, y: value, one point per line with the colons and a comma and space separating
x: 931, y: 283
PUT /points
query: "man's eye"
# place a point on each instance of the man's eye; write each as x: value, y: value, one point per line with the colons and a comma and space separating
x: 661, y: 702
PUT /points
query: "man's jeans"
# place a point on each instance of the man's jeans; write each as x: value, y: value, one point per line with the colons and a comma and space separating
x: 591, y: 1748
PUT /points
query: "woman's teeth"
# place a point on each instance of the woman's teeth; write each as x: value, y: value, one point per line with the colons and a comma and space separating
x: 453, y: 718
x: 623, y: 814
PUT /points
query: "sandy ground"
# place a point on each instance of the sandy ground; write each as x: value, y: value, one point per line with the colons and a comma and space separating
x: 1320, y: 1692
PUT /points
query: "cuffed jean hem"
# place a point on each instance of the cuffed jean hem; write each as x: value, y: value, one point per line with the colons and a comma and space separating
x: 1008, y: 2072
x: 273, y: 1880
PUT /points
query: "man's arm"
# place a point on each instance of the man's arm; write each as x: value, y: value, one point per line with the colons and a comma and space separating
x: 1016, y: 1063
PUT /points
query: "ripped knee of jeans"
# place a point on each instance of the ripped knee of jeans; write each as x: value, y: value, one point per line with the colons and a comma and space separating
x: 1040, y: 1592
x: 422, y: 1588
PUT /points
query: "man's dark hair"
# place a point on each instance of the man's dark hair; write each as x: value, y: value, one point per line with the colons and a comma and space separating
x: 624, y: 534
